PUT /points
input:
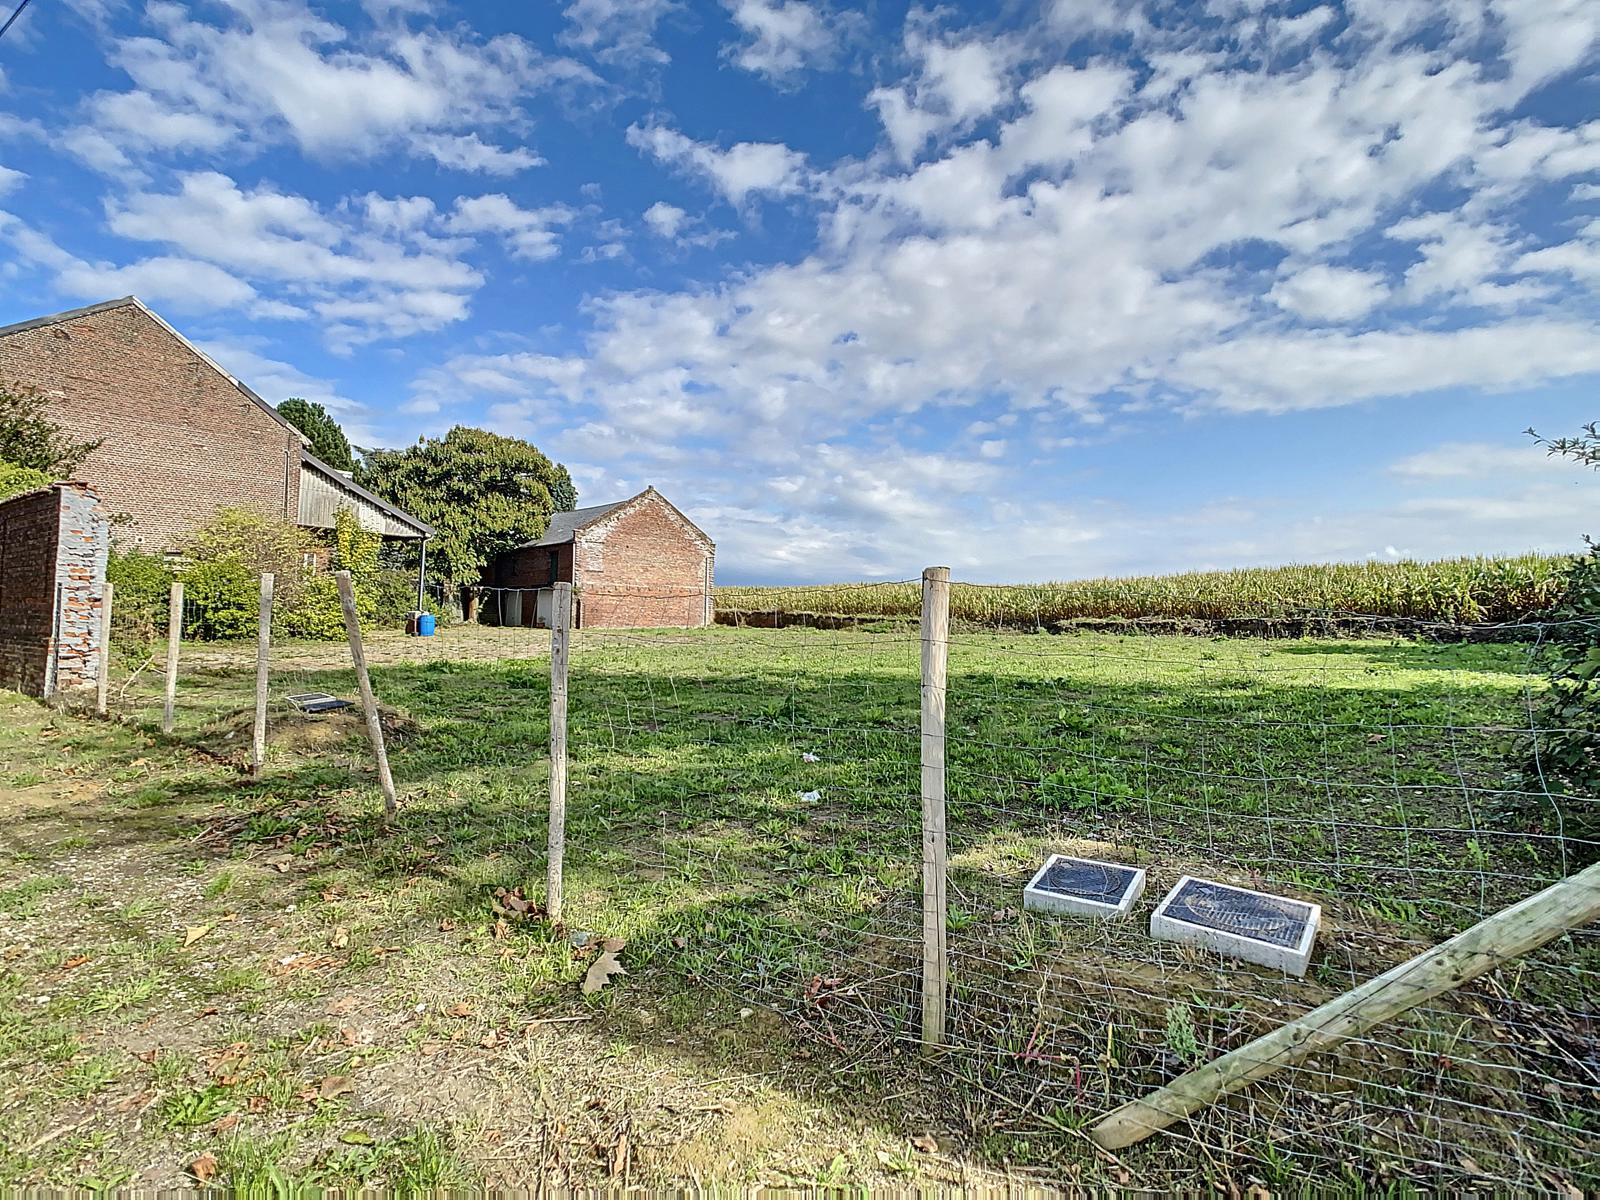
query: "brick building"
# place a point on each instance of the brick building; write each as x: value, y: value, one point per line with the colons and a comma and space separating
x: 638, y: 562
x: 179, y: 437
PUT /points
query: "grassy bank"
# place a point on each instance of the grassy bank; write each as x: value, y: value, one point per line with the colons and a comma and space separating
x: 1457, y: 590
x: 252, y: 976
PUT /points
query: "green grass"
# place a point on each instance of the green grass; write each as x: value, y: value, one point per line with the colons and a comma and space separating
x: 1366, y: 775
x: 1450, y: 590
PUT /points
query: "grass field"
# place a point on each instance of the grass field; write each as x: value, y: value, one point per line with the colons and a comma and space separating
x: 1453, y: 590
x: 255, y: 977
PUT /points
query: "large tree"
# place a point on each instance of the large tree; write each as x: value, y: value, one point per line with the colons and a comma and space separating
x: 29, y: 438
x: 483, y: 493
x: 328, y: 441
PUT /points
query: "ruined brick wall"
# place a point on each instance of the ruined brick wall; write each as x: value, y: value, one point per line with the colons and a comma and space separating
x: 644, y: 565
x: 178, y: 440
x: 53, y: 547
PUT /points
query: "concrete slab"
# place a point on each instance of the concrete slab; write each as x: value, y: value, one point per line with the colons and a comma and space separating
x: 1258, y: 927
x: 1083, y: 887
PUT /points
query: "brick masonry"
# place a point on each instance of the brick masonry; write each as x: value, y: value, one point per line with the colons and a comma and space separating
x: 178, y: 438
x: 53, y: 548
x: 644, y: 564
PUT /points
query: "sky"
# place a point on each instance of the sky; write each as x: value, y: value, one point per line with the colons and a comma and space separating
x: 1036, y: 290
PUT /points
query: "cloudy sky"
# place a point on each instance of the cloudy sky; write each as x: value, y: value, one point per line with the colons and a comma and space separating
x: 1035, y: 290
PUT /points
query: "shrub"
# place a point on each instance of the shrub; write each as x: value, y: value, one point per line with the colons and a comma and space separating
x: 221, y: 600
x: 317, y: 612
x: 1562, y: 759
x: 143, y: 584
x: 15, y: 480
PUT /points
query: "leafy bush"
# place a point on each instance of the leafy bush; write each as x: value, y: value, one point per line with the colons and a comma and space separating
x: 221, y: 600
x: 143, y: 584
x: 317, y: 613
x: 1563, y: 758
x: 15, y: 480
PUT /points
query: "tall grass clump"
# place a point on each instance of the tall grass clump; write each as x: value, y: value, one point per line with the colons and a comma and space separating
x: 1457, y: 590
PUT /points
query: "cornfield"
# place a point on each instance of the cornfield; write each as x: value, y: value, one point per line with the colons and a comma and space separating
x: 1458, y: 590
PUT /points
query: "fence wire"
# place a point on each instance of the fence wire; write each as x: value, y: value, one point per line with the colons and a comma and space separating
x: 763, y: 784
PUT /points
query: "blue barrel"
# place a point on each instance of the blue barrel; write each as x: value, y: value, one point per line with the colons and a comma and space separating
x: 425, y: 625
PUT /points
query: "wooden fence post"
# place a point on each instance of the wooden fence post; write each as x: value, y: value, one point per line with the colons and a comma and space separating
x: 560, y: 629
x: 369, y: 703
x: 1492, y: 942
x: 935, y: 661
x: 103, y: 684
x: 174, y: 638
x: 258, y: 746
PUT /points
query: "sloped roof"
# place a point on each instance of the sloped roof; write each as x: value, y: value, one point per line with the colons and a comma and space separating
x: 307, y: 459
x: 88, y: 310
x: 564, y: 526
x: 343, y: 482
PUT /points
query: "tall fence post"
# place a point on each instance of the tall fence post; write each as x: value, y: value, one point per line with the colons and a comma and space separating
x: 103, y: 682
x: 369, y: 703
x: 258, y: 746
x: 560, y: 628
x: 174, y: 638
x: 935, y: 661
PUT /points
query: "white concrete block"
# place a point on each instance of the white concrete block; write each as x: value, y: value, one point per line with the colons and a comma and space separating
x: 1083, y: 887
x: 1273, y: 931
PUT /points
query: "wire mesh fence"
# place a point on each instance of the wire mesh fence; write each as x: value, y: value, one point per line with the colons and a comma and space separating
x: 760, y: 786
x: 747, y: 802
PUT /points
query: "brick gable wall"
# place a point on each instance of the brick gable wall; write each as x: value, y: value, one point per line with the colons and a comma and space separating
x: 643, y: 566
x: 179, y: 440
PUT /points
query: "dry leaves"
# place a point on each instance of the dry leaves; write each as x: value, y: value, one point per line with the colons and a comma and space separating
x: 334, y: 1086
x: 603, y: 968
x: 204, y: 1168
x: 76, y: 961
x: 194, y: 933
x: 926, y: 1143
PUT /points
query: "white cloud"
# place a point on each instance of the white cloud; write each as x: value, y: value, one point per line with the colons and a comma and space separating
x: 618, y: 31
x: 746, y: 168
x: 956, y: 83
x: 1488, y: 462
x: 469, y: 152
x: 276, y: 71
x: 1324, y: 293
x: 665, y: 220
x: 783, y: 37
x: 530, y: 233
x: 10, y: 180
x: 1314, y: 370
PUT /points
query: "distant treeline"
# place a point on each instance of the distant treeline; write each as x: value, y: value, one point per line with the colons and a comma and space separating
x: 1457, y: 590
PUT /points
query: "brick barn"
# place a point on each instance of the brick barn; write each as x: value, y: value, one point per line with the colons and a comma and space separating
x: 638, y: 562
x: 179, y: 437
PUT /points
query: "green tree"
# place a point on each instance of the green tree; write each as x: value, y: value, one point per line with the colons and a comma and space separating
x: 15, y: 480
x: 328, y: 441
x: 483, y: 494
x: 29, y: 438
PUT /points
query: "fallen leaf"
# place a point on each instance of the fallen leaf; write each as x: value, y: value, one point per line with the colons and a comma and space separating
x: 678, y: 943
x: 446, y: 925
x: 77, y: 960
x: 357, y: 1137
x: 340, y: 938
x: 459, y: 1009
x: 335, y: 1085
x: 204, y: 1168
x: 619, y: 1155
x: 147, y: 1056
x: 194, y: 934
x: 926, y: 1143
x: 226, y: 1123
x: 601, y: 971
x: 489, y: 1040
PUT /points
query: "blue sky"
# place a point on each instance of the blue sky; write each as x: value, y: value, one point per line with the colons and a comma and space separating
x: 1038, y: 290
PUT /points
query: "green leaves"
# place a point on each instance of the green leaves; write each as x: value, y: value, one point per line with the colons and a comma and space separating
x: 328, y: 441
x: 483, y: 493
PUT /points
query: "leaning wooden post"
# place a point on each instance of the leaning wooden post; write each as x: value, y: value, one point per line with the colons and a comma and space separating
x: 369, y: 704
x: 560, y: 628
x: 1492, y: 942
x: 935, y: 659
x: 174, y: 638
x: 258, y: 746
x: 103, y: 683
